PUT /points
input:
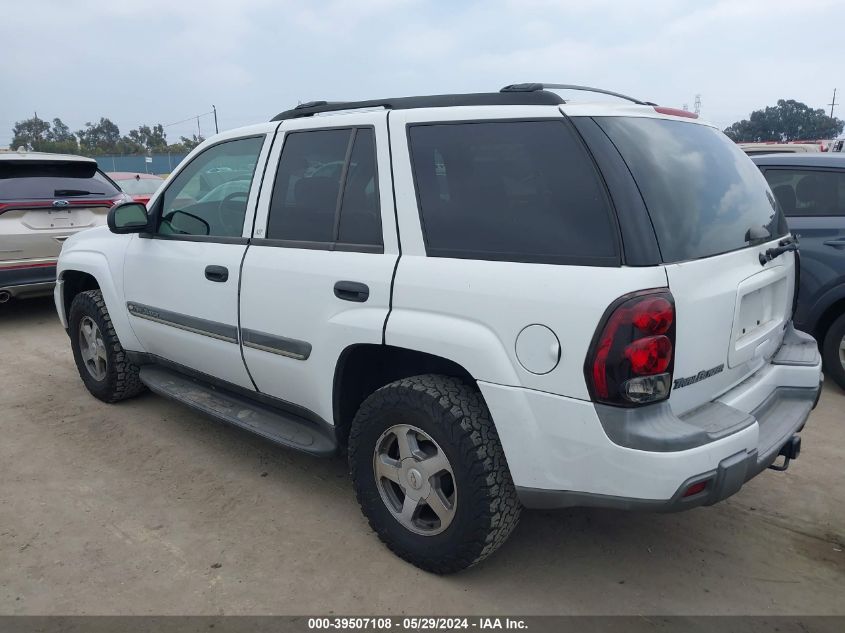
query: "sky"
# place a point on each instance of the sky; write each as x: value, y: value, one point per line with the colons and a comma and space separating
x: 164, y: 61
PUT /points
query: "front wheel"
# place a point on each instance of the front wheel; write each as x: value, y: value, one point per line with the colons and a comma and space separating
x: 833, y: 351
x: 430, y: 473
x: 100, y: 358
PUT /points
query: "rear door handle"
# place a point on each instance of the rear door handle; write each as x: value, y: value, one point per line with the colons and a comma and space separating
x: 216, y: 273
x: 838, y: 243
x: 352, y: 291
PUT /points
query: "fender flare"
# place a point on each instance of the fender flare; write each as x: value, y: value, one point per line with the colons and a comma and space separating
x: 96, y: 264
x: 470, y: 344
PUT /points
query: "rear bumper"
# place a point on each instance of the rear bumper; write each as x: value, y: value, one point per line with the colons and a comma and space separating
x: 780, y: 417
x: 24, y: 278
x: 561, y: 453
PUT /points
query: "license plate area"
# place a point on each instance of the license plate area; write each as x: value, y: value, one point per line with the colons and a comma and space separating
x: 50, y: 219
x: 761, y: 306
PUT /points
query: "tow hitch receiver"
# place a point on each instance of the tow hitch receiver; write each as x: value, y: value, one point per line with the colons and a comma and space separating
x: 790, y: 451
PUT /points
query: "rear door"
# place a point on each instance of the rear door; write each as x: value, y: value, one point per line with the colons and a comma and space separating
x: 713, y: 215
x: 814, y: 203
x: 316, y: 278
x: 181, y: 282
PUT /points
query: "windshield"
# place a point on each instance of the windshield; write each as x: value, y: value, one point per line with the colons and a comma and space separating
x: 140, y: 186
x: 704, y: 195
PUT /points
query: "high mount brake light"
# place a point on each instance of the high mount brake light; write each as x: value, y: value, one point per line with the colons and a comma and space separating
x: 631, y: 357
x: 675, y: 112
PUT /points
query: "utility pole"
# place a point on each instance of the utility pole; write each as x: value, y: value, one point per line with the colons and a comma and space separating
x: 832, y: 103
x: 199, y: 131
x: 697, y: 104
x: 214, y: 108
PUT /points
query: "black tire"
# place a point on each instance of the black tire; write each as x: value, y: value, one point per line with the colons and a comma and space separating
x: 833, y: 366
x: 456, y: 417
x: 121, y: 379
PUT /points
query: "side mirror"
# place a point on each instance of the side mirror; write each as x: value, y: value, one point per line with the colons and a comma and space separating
x: 128, y: 217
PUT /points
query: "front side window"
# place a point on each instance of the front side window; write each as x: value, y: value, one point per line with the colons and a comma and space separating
x: 524, y: 191
x: 209, y: 196
x: 803, y: 192
x: 326, y: 190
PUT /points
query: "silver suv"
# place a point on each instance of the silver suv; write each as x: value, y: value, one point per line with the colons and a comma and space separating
x: 44, y: 199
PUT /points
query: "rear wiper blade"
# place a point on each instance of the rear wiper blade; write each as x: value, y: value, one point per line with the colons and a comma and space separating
x: 787, y: 244
x: 75, y: 192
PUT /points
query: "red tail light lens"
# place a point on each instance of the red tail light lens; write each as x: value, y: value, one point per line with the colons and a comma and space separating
x: 649, y: 356
x: 632, y: 354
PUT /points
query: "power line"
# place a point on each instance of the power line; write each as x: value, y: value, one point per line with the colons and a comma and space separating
x: 190, y: 118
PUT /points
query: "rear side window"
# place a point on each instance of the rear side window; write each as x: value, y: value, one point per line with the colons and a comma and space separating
x: 326, y: 190
x: 803, y: 192
x: 704, y: 195
x: 40, y: 181
x: 524, y: 191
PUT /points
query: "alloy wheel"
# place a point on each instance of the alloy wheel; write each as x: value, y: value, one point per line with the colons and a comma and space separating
x: 92, y: 348
x: 415, y: 479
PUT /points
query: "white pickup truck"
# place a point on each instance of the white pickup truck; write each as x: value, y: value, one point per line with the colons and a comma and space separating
x: 488, y: 301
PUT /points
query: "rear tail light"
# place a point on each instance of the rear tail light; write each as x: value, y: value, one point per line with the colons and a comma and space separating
x: 632, y: 355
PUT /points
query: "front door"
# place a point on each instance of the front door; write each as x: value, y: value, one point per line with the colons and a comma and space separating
x: 181, y: 283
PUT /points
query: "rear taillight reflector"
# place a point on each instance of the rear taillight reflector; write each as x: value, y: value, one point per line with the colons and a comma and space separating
x: 694, y: 489
x: 631, y: 358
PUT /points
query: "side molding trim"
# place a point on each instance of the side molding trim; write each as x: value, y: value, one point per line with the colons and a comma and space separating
x: 292, y: 348
x: 204, y: 327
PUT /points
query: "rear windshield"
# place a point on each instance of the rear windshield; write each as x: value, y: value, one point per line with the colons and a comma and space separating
x: 704, y: 195
x: 140, y: 186
x: 40, y: 181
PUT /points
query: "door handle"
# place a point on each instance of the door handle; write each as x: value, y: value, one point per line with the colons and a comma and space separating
x: 838, y: 243
x: 216, y: 273
x: 352, y: 291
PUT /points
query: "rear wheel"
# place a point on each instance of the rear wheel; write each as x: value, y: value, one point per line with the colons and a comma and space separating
x: 100, y: 358
x: 833, y: 351
x: 430, y: 473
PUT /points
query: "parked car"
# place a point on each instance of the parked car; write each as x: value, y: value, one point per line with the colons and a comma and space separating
x: 811, y: 192
x: 475, y: 307
x: 772, y: 147
x: 139, y: 186
x: 44, y: 199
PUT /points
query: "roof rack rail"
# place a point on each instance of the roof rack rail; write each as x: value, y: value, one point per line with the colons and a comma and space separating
x: 534, y: 87
x: 513, y: 97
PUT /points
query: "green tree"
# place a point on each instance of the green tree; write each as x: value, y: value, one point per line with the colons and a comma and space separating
x: 185, y: 144
x: 789, y: 120
x: 30, y: 134
x: 39, y: 136
x: 61, y: 139
x: 145, y: 139
x: 102, y: 137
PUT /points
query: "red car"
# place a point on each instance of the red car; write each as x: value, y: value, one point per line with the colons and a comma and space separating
x: 140, y: 186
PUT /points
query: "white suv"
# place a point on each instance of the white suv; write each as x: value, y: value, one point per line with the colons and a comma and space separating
x: 489, y: 301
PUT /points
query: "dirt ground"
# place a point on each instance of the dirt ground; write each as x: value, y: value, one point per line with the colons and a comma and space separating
x: 148, y: 508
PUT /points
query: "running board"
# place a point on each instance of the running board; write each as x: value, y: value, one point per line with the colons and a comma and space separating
x: 269, y: 422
